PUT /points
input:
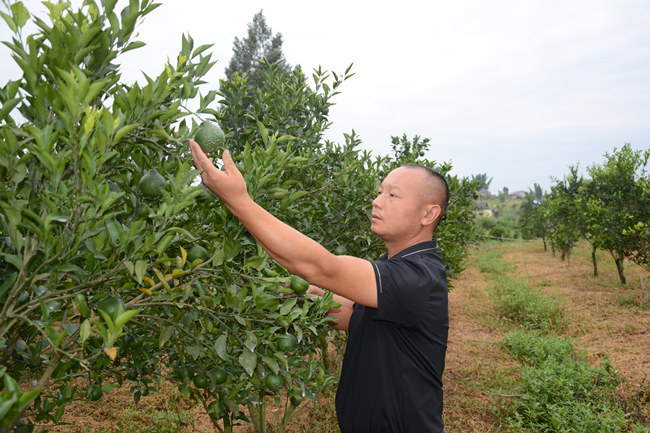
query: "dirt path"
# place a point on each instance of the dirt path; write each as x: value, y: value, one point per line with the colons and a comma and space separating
x: 473, y: 363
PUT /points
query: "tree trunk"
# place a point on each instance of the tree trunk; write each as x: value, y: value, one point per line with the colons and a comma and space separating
x: 618, y: 259
x: 544, y: 240
x: 593, y: 259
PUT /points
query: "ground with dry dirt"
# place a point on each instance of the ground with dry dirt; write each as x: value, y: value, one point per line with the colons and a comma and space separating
x: 604, y: 318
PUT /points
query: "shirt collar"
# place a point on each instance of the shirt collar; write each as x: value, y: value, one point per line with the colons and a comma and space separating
x: 413, y: 249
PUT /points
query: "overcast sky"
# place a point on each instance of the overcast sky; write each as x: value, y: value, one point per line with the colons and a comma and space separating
x: 515, y: 89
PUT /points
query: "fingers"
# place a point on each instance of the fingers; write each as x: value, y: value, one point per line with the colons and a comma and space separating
x: 228, y: 163
x: 201, y: 160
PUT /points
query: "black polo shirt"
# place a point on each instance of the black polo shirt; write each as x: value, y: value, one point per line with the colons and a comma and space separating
x: 392, y: 369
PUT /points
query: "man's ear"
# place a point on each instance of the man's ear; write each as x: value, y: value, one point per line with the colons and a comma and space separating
x: 431, y: 215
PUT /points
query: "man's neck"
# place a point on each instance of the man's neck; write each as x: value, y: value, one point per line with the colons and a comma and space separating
x: 395, y: 247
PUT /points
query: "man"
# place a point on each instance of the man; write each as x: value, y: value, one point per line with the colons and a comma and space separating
x: 395, y: 308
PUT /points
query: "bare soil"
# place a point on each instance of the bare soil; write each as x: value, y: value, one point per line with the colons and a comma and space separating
x: 604, y: 319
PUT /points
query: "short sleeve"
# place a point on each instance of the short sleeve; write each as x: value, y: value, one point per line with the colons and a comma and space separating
x: 403, y: 288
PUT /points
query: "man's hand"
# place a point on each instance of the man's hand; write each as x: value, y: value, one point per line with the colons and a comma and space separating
x: 228, y: 185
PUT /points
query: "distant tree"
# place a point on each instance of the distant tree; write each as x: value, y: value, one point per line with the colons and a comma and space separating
x: 532, y: 219
x: 503, y: 194
x: 538, y: 191
x: 482, y: 178
x: 253, y: 54
x: 562, y: 214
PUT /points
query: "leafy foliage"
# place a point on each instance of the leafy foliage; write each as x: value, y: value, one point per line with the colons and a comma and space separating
x: 99, y: 285
x: 563, y: 214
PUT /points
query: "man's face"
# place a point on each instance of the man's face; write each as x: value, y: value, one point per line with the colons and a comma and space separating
x: 397, y: 210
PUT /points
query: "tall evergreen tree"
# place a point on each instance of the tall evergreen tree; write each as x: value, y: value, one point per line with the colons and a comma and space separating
x: 251, y: 52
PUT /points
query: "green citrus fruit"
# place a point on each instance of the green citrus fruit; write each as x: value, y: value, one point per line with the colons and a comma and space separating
x: 298, y: 285
x: 274, y: 381
x: 132, y: 374
x: 210, y: 137
x: 186, y: 372
x: 94, y: 392
x: 286, y: 342
x: 219, y: 374
x: 295, y: 398
x: 340, y: 250
x: 201, y: 380
x: 152, y: 184
x: 197, y: 252
x: 113, y: 306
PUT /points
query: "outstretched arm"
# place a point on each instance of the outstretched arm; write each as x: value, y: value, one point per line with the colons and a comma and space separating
x: 350, y: 277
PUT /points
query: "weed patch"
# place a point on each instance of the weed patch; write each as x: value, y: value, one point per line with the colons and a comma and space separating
x: 520, y: 304
x: 567, y: 396
x: 534, y: 349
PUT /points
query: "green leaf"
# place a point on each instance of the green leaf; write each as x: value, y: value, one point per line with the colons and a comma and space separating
x: 133, y: 46
x: 248, y: 360
x: 287, y: 306
x: 6, y: 284
x: 263, y: 132
x: 109, y: 387
x: 231, y: 248
x: 194, y: 351
x: 140, y: 268
x: 124, y: 317
x: 20, y: 13
x: 165, y: 334
x: 5, y: 405
x: 251, y: 340
x: 286, y: 138
x: 84, y: 330
x: 272, y: 363
x: 27, y: 398
x: 129, y: 266
x: 220, y: 347
x: 14, y: 260
x: 8, y: 106
x: 109, y: 321
x: 123, y: 131
x: 257, y: 262
x: 10, y: 21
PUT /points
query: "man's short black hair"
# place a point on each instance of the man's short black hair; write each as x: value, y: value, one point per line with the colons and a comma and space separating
x: 441, y: 182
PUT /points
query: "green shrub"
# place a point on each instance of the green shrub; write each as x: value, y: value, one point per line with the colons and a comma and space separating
x: 500, y: 231
x: 534, y: 349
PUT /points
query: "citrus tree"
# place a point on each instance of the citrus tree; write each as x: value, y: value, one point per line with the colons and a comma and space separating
x: 562, y: 214
x: 617, y: 205
x: 120, y: 269
x: 533, y: 220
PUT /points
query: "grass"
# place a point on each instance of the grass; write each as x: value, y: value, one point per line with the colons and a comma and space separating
x: 520, y: 304
x: 558, y: 389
